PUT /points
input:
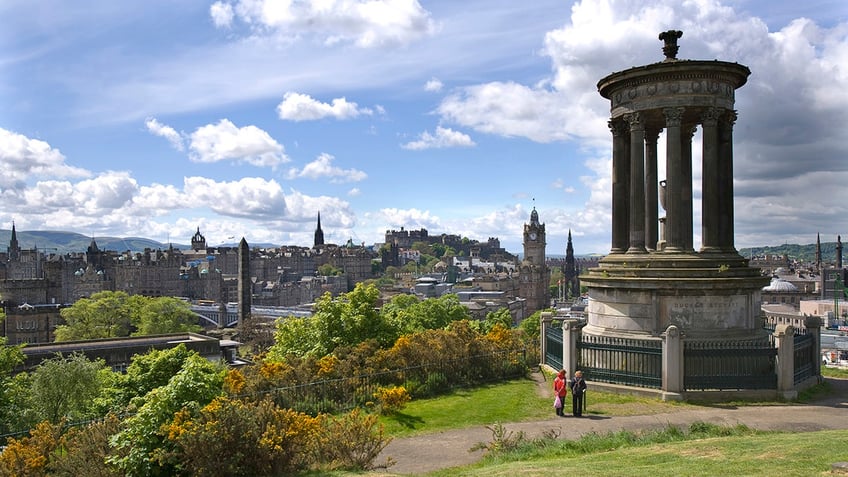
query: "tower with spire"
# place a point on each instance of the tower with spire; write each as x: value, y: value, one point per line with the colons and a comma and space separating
x: 319, y: 234
x: 534, y: 285
x: 570, y: 273
x: 198, y: 241
x: 818, y: 253
x: 14, y: 249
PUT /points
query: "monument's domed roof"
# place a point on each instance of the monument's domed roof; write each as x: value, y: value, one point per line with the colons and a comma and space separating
x: 779, y: 285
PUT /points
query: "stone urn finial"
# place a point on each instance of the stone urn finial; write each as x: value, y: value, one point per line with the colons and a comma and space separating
x: 670, y: 43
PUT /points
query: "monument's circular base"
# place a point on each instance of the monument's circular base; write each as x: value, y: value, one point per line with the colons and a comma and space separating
x: 704, y: 297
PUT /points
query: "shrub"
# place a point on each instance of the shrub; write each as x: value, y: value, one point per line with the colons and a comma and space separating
x: 234, y: 437
x: 391, y: 399
x: 351, y: 442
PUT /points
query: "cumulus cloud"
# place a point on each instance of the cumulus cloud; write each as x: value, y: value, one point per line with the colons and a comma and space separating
x: 323, y: 167
x: 444, y: 137
x: 247, y: 197
x: 165, y: 131
x: 226, y: 142
x: 407, y: 218
x: 222, y: 14
x: 365, y: 23
x: 23, y: 158
x: 302, y: 107
x: 433, y: 85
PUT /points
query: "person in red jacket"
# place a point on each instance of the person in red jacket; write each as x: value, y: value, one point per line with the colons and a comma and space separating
x: 560, y: 391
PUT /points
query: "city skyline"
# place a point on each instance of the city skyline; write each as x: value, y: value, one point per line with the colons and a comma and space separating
x: 248, y: 118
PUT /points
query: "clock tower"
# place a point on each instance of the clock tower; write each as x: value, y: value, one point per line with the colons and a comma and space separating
x: 535, y: 277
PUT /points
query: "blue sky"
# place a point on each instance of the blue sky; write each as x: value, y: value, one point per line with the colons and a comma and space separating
x: 248, y: 117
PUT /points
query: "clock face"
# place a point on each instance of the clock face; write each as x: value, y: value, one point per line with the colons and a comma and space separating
x: 532, y: 235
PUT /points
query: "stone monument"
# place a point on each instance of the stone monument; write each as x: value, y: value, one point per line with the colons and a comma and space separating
x: 653, y: 278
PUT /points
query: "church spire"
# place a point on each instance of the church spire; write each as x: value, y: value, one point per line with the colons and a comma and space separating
x: 14, y: 248
x: 319, y: 234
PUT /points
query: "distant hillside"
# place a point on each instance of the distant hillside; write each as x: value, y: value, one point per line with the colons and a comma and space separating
x: 803, y: 253
x: 68, y: 242
x: 51, y: 241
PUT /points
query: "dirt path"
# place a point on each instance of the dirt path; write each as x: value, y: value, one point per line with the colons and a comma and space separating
x: 442, y: 450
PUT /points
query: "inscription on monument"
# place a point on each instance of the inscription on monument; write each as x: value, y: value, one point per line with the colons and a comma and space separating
x: 721, y: 312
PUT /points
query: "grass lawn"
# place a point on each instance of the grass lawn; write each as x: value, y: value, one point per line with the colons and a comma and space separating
x: 513, y: 401
x: 759, y: 454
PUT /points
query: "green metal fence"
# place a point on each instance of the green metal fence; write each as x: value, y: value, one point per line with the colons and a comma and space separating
x: 729, y: 365
x: 553, y: 346
x: 806, y: 358
x: 630, y: 362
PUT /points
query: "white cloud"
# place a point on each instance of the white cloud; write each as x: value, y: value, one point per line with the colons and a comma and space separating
x: 444, y: 137
x: 226, y: 142
x: 323, y: 166
x: 509, y: 109
x: 22, y: 158
x: 222, y: 14
x: 410, y: 219
x: 163, y: 130
x: 302, y: 107
x: 433, y: 85
x: 247, y: 197
x: 366, y: 23
x: 355, y: 192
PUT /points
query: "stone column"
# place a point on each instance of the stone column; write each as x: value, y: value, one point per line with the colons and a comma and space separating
x: 784, y: 341
x: 672, y: 364
x: 674, y: 188
x: 710, y: 208
x: 686, y: 195
x: 544, y: 323
x: 637, y: 183
x: 813, y: 325
x: 570, y: 334
x: 620, y: 187
x: 651, y: 189
x: 725, y: 182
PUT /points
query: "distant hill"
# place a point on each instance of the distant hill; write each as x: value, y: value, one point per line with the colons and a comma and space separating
x: 59, y: 242
x: 803, y: 253
x: 69, y: 242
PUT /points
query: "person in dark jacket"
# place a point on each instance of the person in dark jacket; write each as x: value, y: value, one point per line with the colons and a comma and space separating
x: 578, y: 389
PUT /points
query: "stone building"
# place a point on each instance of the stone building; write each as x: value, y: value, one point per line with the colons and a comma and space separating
x: 535, y: 277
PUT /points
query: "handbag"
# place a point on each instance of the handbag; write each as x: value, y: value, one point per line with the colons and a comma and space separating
x: 557, y: 402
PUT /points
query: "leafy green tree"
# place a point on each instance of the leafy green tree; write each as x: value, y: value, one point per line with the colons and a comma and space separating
x: 410, y: 315
x: 345, y: 320
x: 328, y: 270
x: 500, y: 316
x: 104, y: 315
x: 115, y: 314
x: 531, y: 326
x: 65, y: 387
x: 161, y: 315
x: 10, y: 358
x: 145, y: 373
x: 144, y: 438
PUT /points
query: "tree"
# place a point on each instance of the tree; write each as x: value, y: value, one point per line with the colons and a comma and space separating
x: 115, y: 314
x: 65, y: 387
x: 145, y: 373
x: 104, y: 315
x: 408, y: 315
x: 161, y: 315
x: 328, y: 270
x: 144, y: 439
x: 10, y: 358
x: 343, y: 321
x: 500, y: 316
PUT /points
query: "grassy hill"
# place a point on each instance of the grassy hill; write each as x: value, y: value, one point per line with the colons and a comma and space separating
x: 68, y: 242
